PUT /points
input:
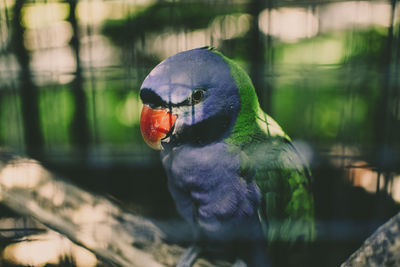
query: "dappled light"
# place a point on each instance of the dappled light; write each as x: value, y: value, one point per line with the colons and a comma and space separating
x: 370, y: 180
x: 24, y: 175
x: 48, y: 248
x: 360, y: 14
x: 289, y: 24
x: 41, y: 15
x: 327, y: 73
x: 87, y: 219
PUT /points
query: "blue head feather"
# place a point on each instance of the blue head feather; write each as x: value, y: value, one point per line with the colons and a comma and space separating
x: 175, y: 79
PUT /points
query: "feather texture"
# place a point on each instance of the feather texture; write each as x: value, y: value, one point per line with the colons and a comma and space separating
x: 232, y: 170
x: 287, y: 208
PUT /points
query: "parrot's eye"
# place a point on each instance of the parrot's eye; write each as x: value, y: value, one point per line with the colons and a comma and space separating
x: 197, y: 96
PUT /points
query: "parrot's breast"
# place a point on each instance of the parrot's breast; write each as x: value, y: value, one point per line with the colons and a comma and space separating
x: 208, y: 191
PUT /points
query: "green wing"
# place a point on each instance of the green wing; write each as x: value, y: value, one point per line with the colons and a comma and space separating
x: 287, y: 210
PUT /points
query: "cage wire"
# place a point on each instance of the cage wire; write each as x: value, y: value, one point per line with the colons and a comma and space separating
x: 327, y: 71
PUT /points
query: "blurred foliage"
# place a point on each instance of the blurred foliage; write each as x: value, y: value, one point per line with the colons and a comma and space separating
x: 326, y: 90
x: 327, y: 87
x: 366, y: 47
x: 55, y: 103
x: 10, y: 119
x: 162, y: 16
x: 115, y: 113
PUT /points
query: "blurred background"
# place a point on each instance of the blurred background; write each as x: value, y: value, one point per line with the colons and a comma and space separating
x: 328, y: 71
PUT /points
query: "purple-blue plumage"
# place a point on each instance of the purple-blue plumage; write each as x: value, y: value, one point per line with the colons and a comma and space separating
x: 209, y: 193
x: 207, y: 178
x: 203, y: 176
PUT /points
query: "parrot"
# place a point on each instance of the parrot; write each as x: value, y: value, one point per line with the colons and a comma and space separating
x: 234, y: 174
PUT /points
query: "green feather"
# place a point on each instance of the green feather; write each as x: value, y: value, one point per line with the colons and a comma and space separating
x: 287, y: 211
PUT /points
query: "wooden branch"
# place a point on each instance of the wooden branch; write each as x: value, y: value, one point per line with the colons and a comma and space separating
x: 125, y: 239
x: 382, y: 248
x: 91, y: 221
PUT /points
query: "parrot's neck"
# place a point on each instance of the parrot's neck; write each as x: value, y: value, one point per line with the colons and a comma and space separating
x: 252, y: 127
x: 245, y: 126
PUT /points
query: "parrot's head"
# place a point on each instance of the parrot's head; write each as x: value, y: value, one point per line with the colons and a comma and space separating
x: 190, y: 97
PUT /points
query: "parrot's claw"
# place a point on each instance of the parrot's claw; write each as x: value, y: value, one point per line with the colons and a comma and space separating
x: 189, y: 256
x: 239, y: 263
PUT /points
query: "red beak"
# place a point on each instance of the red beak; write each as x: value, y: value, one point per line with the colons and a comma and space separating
x: 155, y: 124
